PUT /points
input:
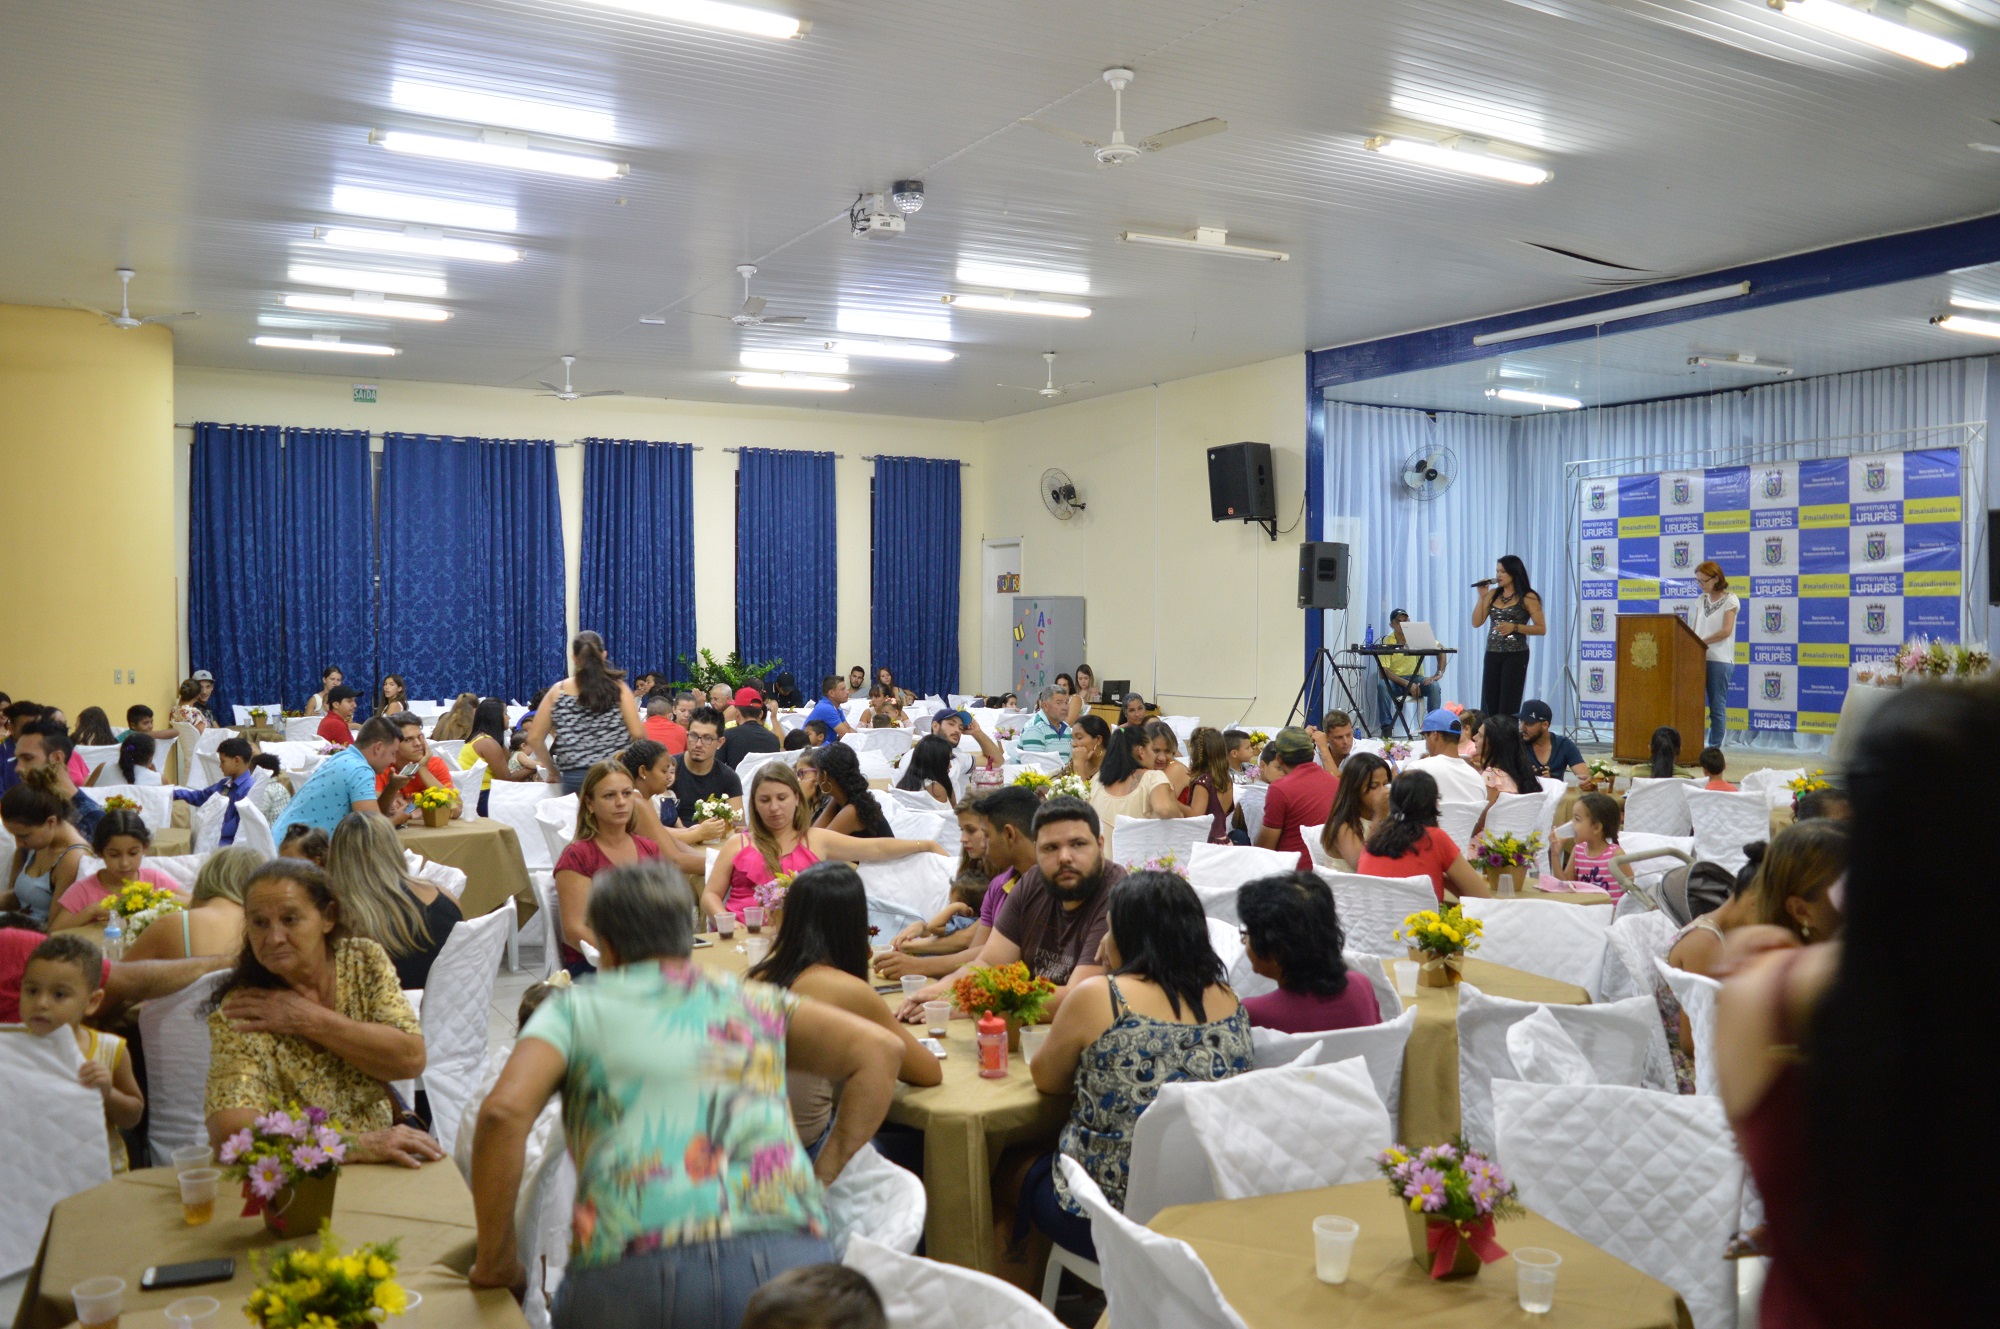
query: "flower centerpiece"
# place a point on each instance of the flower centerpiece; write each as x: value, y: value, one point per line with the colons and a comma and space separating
x: 436, y: 804
x: 288, y: 1160
x: 1167, y: 862
x: 1007, y: 990
x: 771, y: 898
x: 138, y: 903
x: 1924, y: 659
x: 1069, y: 786
x: 1006, y: 733
x: 1454, y: 1195
x: 1258, y: 738
x: 714, y: 808
x: 1033, y: 780
x: 304, y: 1288
x: 1805, y: 782
x: 1396, y: 754
x: 1439, y: 939
x: 1505, y: 858
x: 1603, y: 772
x: 258, y: 715
x: 121, y: 803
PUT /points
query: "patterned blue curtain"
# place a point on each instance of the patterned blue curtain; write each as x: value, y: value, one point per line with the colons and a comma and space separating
x: 472, y: 567
x: 636, y: 586
x: 785, y: 560
x: 236, y: 606
x: 915, y: 575
x: 326, y: 538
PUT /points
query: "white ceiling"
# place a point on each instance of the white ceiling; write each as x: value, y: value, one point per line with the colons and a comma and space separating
x: 199, y: 143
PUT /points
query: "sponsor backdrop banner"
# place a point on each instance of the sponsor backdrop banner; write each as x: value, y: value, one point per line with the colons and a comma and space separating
x: 1835, y: 561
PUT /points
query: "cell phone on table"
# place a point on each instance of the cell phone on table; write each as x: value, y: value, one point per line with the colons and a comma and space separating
x: 190, y: 1274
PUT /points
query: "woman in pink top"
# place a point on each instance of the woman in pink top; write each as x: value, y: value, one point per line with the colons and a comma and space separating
x: 782, y: 839
x: 121, y: 840
x: 1408, y: 843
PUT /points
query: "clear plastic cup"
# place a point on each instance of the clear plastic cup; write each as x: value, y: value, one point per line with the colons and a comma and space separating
x: 198, y: 1186
x: 1406, y: 977
x: 1333, y: 1247
x: 1535, y: 1278
x: 191, y: 1156
x: 914, y: 983
x: 193, y: 1312
x: 725, y: 925
x: 753, y: 918
x: 98, y: 1302
x: 756, y: 948
x: 937, y: 1017
x: 1032, y: 1038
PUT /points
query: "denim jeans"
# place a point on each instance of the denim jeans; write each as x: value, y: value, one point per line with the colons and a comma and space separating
x: 700, y: 1285
x: 1718, y: 700
x: 1392, y: 699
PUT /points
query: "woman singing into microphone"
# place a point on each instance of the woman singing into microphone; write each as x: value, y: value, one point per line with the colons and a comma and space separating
x: 1516, y: 614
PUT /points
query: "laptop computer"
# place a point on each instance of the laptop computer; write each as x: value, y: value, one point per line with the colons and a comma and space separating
x: 1418, y: 636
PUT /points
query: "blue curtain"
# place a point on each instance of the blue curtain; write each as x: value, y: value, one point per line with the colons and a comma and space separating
x: 326, y: 538
x: 636, y: 584
x: 786, y: 564
x: 914, y: 581
x: 236, y: 606
x: 472, y: 565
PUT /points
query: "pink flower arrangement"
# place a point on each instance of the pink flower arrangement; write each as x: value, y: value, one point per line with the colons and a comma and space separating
x: 278, y: 1148
x: 1458, y: 1191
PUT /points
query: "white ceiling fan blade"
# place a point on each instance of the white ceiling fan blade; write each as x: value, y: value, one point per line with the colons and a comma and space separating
x: 1060, y: 132
x: 1183, y: 134
x: 1018, y: 387
x: 550, y: 386
x: 753, y: 305
x: 784, y: 318
x: 168, y: 318
x: 1080, y: 383
x: 90, y: 309
x: 604, y: 392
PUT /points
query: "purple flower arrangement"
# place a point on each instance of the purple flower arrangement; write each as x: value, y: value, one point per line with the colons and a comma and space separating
x: 1456, y: 1192
x: 280, y: 1147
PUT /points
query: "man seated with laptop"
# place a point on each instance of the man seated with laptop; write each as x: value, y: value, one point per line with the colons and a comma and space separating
x: 1402, y: 676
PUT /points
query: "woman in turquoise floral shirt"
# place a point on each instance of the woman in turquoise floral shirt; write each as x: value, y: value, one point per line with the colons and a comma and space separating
x: 692, y: 1187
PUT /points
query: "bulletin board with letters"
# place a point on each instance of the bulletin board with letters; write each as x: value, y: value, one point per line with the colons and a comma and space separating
x: 1835, y: 560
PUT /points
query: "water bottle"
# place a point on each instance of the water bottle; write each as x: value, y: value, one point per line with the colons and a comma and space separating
x: 1368, y: 638
x: 992, y: 1042
x: 114, y: 938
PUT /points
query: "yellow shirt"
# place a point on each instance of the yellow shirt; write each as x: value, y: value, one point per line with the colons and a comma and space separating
x: 468, y: 758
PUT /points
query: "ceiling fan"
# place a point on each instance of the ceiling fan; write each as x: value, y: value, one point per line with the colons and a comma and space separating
x: 1119, y: 150
x: 1059, y: 495
x: 123, y: 320
x: 568, y: 393
x: 752, y: 314
x: 1051, y: 388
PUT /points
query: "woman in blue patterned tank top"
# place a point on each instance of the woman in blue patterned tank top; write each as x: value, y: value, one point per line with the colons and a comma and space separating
x: 587, y: 718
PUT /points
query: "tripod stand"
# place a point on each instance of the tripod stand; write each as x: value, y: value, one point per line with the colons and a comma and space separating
x: 1312, y: 690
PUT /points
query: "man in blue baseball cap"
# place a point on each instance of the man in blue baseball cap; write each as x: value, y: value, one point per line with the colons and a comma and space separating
x: 950, y: 725
x: 1457, y: 781
x: 1551, y: 753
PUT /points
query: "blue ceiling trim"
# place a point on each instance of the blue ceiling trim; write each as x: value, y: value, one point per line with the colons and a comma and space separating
x: 1858, y: 265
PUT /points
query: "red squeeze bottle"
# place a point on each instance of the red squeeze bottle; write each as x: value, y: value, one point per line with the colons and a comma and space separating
x: 992, y: 1047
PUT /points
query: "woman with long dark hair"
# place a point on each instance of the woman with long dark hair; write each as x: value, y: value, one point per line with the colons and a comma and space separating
x: 1514, y: 612
x: 1088, y: 738
x: 822, y: 952
x: 653, y: 770
x: 1210, y: 791
x: 330, y: 678
x: 586, y: 718
x: 1408, y: 843
x: 93, y: 728
x: 1666, y: 748
x: 852, y: 808
x: 1504, y: 758
x: 134, y: 762
x: 392, y: 694
x: 928, y: 768
x: 1293, y: 937
x: 1360, y: 804
x: 488, y: 742
x: 1126, y: 787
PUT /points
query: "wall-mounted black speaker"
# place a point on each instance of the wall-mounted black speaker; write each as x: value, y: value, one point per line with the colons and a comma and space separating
x: 1322, y: 575
x: 1240, y: 487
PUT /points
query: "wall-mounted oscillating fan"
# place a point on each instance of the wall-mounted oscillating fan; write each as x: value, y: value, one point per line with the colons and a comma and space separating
x: 1429, y: 473
x: 1059, y: 495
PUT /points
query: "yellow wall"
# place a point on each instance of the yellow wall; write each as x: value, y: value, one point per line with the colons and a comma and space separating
x: 86, y: 448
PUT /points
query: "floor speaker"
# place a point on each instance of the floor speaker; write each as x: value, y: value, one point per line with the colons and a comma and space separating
x: 1322, y: 575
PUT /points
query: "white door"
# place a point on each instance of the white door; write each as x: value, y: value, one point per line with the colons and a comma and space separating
x: 1002, y: 558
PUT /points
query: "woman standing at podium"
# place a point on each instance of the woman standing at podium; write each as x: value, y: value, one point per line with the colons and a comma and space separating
x: 1714, y: 621
x: 1514, y: 611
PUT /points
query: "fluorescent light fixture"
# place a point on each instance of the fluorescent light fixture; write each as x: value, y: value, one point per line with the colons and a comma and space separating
x: 357, y: 279
x: 791, y: 382
x: 1979, y: 327
x: 891, y: 350
x: 422, y: 240
x: 810, y: 362
x: 488, y: 108
x: 498, y: 147
x: 1509, y: 126
x: 1014, y: 304
x: 1008, y: 278
x: 359, y: 201
x: 1644, y: 307
x: 1740, y: 360
x: 323, y: 343
x: 889, y: 323
x: 1969, y: 302
x: 712, y: 14
x: 1874, y: 30
x: 1526, y: 398
x: 1208, y: 240
x: 370, y: 304
x: 1464, y: 155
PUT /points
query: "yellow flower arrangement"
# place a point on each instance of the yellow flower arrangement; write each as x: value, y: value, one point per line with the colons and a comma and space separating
x: 1031, y: 779
x: 1258, y: 738
x: 120, y: 803
x: 437, y: 796
x: 1807, y: 781
x: 138, y: 903
x: 1008, y: 989
x: 305, y: 1288
x: 1440, y: 932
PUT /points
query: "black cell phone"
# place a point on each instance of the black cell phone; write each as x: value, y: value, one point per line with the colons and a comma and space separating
x: 189, y: 1274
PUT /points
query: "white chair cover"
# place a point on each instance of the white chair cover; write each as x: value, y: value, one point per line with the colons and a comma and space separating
x: 1371, y: 909
x: 874, y: 1199
x: 922, y: 1294
x: 185, y: 737
x: 1375, y: 969
x: 448, y: 748
x: 890, y: 743
x: 1150, y: 1281
x: 1168, y: 1166
x: 444, y: 876
x: 1518, y: 814
x: 156, y: 801
x: 1292, y: 1128
x: 207, y: 824
x: 1657, y: 807
x: 1048, y: 763
x: 1545, y: 1054
x: 55, y: 1134
x: 183, y: 868
x: 874, y: 766
x: 1622, y: 1040
x: 1652, y: 1179
x: 1649, y: 873
x: 1634, y: 942
x: 253, y: 829
x: 555, y: 825
x: 294, y: 757
x: 1773, y: 782
x: 456, y: 1000
x: 467, y: 783
x: 1697, y: 994
x: 1724, y: 823
x: 1226, y: 867
x: 756, y: 761
x: 543, y: 1241
x: 302, y: 728
x: 1183, y: 727
x: 1380, y: 1046
x: 1135, y: 840
x: 513, y: 803
x: 95, y: 755
x: 1552, y: 938
x: 1457, y: 821
x: 548, y: 909
x: 1320, y: 857
x: 912, y: 823
x: 175, y: 1031
x: 1250, y: 798
x: 915, y: 884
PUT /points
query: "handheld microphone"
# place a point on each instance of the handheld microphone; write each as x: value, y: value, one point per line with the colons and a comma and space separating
x: 1482, y: 584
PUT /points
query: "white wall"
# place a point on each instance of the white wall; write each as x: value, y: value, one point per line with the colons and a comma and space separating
x: 242, y: 397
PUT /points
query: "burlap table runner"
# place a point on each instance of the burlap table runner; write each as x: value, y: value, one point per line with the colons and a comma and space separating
x: 1429, y: 1108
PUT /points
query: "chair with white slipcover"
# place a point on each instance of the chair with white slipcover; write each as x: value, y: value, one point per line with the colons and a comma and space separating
x: 1622, y: 1040
x: 207, y: 824
x: 1167, y: 1165
x: 1048, y: 763
x: 1150, y: 1281
x: 293, y: 758
x: 54, y: 1128
x: 1657, y: 806
x: 1652, y: 1179
x: 444, y: 876
x: 1697, y: 995
x: 1320, y: 856
x: 1183, y: 727
x: 207, y: 764
x: 1724, y: 823
x: 920, y: 1294
x: 513, y: 803
x: 1218, y: 871
x: 1372, y: 909
x: 174, y: 1029
x: 1290, y: 1128
x: 947, y: 832
x: 1136, y: 840
x: 1457, y: 820
x: 891, y: 743
x: 755, y: 761
x: 456, y: 1000
x: 1553, y: 938
x: 448, y: 749
x: 467, y: 782
x: 1380, y: 1046
x: 181, y: 869
x: 909, y: 888
x: 1544, y: 1053
x: 544, y: 1239
x: 302, y: 728
x: 156, y: 802
x: 555, y: 825
x: 874, y: 1199
x: 1376, y: 970
x: 1633, y: 943
x: 253, y: 828
x: 99, y: 759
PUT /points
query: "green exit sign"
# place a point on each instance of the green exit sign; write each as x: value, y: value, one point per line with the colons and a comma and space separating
x: 365, y: 392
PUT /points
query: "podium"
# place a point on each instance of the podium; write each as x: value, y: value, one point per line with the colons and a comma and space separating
x: 1662, y: 680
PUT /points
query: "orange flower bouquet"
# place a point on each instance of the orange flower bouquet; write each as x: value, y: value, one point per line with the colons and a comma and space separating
x: 1007, y: 990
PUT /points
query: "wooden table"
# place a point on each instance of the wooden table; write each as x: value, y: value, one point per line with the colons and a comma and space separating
x: 1428, y: 1113
x: 1260, y: 1252
x: 134, y: 1221
x: 487, y: 852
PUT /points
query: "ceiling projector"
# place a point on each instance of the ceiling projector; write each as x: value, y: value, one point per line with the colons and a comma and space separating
x: 873, y: 218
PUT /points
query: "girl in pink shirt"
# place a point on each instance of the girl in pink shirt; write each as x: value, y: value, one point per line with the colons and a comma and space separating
x: 1596, y: 820
x: 121, y: 841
